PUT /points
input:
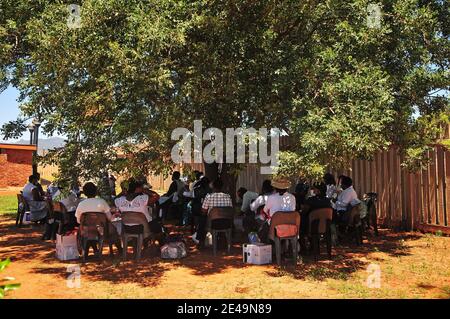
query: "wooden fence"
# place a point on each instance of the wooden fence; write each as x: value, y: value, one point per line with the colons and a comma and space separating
x: 406, y: 200
x: 417, y: 200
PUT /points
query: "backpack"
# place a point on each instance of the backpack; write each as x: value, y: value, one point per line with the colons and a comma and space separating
x: 173, y: 250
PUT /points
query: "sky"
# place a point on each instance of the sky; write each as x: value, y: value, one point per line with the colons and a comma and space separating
x: 9, y: 109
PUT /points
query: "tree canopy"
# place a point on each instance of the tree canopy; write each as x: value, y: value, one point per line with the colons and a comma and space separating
x: 135, y: 70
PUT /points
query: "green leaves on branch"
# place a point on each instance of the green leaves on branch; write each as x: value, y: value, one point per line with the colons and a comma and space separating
x: 6, y: 287
x: 136, y: 70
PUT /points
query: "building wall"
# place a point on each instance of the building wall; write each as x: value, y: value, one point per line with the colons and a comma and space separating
x: 15, y: 167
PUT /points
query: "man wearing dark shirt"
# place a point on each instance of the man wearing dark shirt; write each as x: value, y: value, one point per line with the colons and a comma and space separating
x: 319, y: 200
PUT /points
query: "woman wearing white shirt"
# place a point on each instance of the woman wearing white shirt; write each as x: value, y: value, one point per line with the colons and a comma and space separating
x: 331, y: 185
x: 281, y: 200
x: 134, y: 201
x: 261, y: 200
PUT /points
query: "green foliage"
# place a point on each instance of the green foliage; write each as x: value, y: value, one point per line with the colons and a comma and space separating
x: 7, y: 287
x: 135, y: 70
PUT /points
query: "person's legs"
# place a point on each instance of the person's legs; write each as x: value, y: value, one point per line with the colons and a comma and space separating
x: 263, y: 233
x: 249, y: 223
x: 304, y: 230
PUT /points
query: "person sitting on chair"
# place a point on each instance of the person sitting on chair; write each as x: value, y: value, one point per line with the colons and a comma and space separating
x: 318, y: 200
x: 280, y: 201
x: 92, y: 203
x: 199, y: 192
x: 215, y: 199
x: 247, y: 197
x: 330, y: 183
x: 139, y: 200
x: 346, y: 197
x: 32, y: 194
x: 257, y: 205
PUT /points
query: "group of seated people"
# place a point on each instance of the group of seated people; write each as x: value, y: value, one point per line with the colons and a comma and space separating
x: 198, y: 198
x: 258, y: 209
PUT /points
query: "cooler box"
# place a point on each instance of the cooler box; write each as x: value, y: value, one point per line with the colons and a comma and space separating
x: 257, y: 254
x: 67, y: 247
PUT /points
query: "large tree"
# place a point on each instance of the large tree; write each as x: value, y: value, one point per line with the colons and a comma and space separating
x: 135, y: 70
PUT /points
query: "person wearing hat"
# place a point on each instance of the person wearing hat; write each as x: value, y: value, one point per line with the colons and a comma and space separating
x: 281, y: 200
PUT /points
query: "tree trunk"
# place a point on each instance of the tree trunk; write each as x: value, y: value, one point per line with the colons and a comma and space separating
x: 211, y: 171
x: 229, y: 181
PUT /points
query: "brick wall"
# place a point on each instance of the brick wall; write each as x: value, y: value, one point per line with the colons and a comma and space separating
x: 15, y: 167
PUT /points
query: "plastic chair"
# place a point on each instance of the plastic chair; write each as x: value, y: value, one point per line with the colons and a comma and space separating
x: 280, y: 219
x: 354, y: 224
x: 55, y: 214
x: 94, y: 227
x: 60, y: 213
x: 371, y: 219
x: 138, y: 232
x: 221, y: 221
x: 320, y: 225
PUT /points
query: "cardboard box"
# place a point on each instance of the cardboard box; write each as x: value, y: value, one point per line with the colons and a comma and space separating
x: 257, y: 254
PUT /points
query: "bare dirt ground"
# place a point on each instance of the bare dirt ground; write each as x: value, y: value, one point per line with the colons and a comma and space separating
x: 412, y: 265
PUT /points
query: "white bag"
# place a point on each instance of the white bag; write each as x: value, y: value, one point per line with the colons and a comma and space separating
x: 208, y: 239
x: 174, y: 250
x: 26, y: 220
x: 67, y: 253
x: 67, y: 247
x: 194, y: 238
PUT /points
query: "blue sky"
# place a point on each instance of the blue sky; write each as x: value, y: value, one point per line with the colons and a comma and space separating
x: 9, y: 108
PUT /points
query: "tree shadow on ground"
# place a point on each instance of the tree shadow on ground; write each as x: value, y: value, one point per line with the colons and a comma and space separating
x: 26, y: 244
x: 347, y: 258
